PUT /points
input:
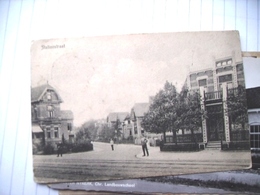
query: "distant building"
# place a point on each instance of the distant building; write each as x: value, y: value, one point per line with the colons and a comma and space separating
x: 136, y: 116
x: 117, y: 120
x: 49, y: 122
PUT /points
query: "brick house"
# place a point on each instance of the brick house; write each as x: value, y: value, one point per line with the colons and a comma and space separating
x: 50, y: 124
x: 214, y: 85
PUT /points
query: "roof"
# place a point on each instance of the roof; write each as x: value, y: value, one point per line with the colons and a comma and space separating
x: 140, y: 108
x: 113, y: 116
x: 36, y: 129
x: 66, y: 114
x: 38, y: 92
x: 253, y: 97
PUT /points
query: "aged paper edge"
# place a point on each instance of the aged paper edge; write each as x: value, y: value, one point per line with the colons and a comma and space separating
x: 254, y: 54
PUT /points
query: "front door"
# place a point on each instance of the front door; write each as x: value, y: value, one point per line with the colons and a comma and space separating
x: 215, y: 123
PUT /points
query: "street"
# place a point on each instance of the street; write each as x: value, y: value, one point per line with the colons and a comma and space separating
x: 126, y: 162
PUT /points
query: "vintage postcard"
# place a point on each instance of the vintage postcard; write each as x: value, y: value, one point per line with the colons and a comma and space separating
x: 135, y: 106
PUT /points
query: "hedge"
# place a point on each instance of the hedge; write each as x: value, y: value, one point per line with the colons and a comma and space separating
x: 50, y: 148
x: 179, y: 147
x: 239, y: 145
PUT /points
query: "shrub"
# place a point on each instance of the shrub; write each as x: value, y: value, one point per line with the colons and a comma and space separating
x: 82, y: 147
x: 37, y: 148
x: 49, y: 149
x: 240, y: 145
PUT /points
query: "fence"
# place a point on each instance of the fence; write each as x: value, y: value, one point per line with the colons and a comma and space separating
x: 185, y: 138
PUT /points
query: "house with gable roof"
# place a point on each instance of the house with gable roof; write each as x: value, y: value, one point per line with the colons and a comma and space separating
x: 117, y: 117
x: 49, y: 122
x: 136, y: 116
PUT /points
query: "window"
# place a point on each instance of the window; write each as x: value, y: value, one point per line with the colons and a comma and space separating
x: 49, y: 96
x: 224, y: 63
x: 38, y: 135
x: 69, y: 126
x: 48, y: 130
x: 225, y: 78
x: 203, y: 82
x: 56, y: 132
x: 50, y: 111
x: 218, y: 64
x: 135, y: 129
x: 255, y: 136
x: 35, y: 111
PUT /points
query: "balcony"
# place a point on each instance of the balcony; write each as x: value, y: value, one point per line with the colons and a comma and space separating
x: 216, y: 95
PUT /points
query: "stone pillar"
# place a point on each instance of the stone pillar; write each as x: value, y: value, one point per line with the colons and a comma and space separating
x: 225, y: 112
x: 215, y: 80
x: 235, y: 84
x: 204, y: 126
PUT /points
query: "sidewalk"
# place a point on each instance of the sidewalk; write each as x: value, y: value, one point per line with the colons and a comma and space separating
x: 203, y: 155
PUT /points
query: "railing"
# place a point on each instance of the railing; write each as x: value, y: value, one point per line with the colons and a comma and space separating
x: 213, y: 95
x: 185, y: 138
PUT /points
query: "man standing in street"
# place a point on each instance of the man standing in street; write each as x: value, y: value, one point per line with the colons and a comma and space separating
x: 59, y: 149
x: 112, y: 144
x: 144, y: 146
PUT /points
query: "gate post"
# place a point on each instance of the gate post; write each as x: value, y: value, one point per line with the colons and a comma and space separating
x: 202, y: 105
x: 225, y: 112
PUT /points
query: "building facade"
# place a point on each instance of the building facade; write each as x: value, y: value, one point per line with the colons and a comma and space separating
x: 117, y: 121
x: 136, y: 116
x: 215, y: 85
x: 49, y: 122
x: 253, y: 104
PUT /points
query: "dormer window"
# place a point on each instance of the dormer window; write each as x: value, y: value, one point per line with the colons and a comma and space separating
x: 49, y: 96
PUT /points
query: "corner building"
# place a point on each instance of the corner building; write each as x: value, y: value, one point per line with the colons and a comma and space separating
x: 214, y: 85
x: 49, y: 122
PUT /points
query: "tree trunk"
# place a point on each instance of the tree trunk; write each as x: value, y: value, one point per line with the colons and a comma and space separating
x: 43, y: 139
x: 164, y: 136
x: 193, y: 137
x: 174, y: 134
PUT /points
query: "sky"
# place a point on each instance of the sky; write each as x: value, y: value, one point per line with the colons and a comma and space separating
x: 98, y: 75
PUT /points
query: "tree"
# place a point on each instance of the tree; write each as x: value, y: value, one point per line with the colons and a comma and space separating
x: 189, y: 113
x: 237, y: 107
x: 87, y: 131
x: 161, y: 116
x: 117, y: 129
x: 106, y: 133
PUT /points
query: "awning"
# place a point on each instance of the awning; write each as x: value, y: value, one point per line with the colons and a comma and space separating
x: 36, y: 129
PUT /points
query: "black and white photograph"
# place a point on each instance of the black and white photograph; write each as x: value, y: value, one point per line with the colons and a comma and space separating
x: 138, y: 105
